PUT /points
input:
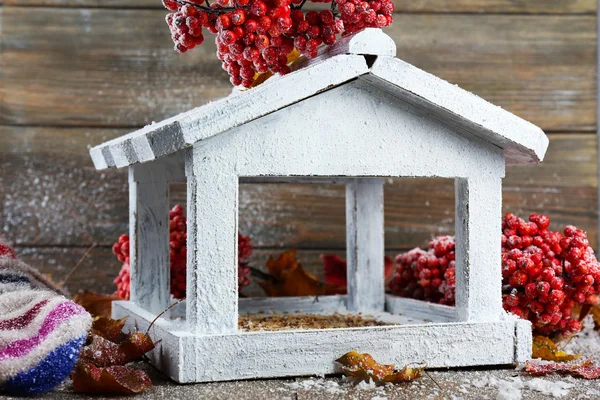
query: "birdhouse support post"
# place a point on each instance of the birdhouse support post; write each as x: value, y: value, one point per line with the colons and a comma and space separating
x: 212, y: 203
x: 149, y: 237
x: 364, y: 242
x: 478, y: 259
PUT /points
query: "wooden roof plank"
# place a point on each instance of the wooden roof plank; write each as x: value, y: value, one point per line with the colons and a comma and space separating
x: 160, y: 139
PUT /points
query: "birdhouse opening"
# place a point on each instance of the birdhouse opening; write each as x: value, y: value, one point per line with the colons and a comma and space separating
x: 293, y: 254
x: 419, y: 237
x: 307, y: 284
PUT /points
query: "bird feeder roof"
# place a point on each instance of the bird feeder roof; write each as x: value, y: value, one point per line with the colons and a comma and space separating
x: 368, y: 55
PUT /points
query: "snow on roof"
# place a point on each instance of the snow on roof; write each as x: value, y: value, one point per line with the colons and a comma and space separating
x: 347, y: 60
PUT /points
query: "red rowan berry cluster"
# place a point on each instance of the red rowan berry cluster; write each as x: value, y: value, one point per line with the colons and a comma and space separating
x: 178, y: 256
x: 422, y: 274
x: 444, y: 247
x: 177, y: 251
x: 121, y: 250
x: 185, y: 25
x: 256, y: 36
x: 244, y: 254
x: 546, y: 274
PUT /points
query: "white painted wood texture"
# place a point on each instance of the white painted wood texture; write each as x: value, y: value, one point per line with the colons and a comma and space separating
x: 170, y: 169
x: 394, y: 141
x: 149, y: 237
x: 522, y: 141
x: 420, y: 309
x: 465, y: 112
x: 307, y: 304
x: 296, y: 179
x: 478, y: 260
x: 212, y: 292
x: 524, y: 340
x: 312, y: 352
x: 364, y: 245
x: 370, y: 41
x: 187, y: 357
x: 410, y: 308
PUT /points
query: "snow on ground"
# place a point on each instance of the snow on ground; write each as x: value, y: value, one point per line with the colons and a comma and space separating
x: 513, y: 388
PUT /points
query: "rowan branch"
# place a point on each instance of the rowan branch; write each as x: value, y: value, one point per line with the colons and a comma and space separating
x: 216, y: 11
x: 64, y: 281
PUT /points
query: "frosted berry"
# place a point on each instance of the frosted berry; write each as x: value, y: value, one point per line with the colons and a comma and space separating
x: 178, y: 257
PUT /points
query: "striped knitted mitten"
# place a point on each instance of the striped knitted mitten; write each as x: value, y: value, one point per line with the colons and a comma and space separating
x: 41, y: 331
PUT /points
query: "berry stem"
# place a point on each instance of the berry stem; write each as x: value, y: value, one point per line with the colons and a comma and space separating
x: 161, y: 314
x: 299, y: 6
x: 216, y: 11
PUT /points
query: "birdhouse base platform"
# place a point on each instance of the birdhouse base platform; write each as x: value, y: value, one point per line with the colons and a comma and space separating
x: 416, y: 332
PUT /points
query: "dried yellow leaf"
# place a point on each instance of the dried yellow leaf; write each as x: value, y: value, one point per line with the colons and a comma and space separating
x: 261, y: 77
x: 363, y: 367
x: 546, y: 349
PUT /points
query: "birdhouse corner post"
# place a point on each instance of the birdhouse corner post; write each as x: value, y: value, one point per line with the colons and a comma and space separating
x: 365, y: 244
x: 212, y: 281
x: 478, y: 253
x: 149, y: 237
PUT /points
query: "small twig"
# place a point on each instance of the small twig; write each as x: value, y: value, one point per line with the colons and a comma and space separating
x: 564, y: 345
x: 298, y: 7
x: 64, y: 281
x: 260, y: 274
x: 210, y: 10
x: 161, y: 314
x: 434, y: 381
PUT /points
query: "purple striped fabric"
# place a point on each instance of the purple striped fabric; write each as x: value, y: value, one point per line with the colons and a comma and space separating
x: 22, y: 321
x: 59, y: 314
x: 41, y: 331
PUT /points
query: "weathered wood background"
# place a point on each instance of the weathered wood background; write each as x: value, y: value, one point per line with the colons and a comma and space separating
x: 76, y: 73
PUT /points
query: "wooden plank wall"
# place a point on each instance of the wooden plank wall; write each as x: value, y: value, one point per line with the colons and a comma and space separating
x: 76, y: 73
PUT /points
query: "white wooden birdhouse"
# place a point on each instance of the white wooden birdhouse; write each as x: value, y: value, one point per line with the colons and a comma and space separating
x: 334, y: 119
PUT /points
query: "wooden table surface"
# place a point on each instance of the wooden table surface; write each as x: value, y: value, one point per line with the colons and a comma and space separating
x: 76, y: 73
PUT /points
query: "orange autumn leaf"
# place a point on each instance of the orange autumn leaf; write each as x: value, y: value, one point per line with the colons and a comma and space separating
x: 281, y: 267
x: 546, y: 349
x: 336, y: 269
x: 98, y: 305
x: 119, y: 379
x: 363, y: 367
x: 290, y: 279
